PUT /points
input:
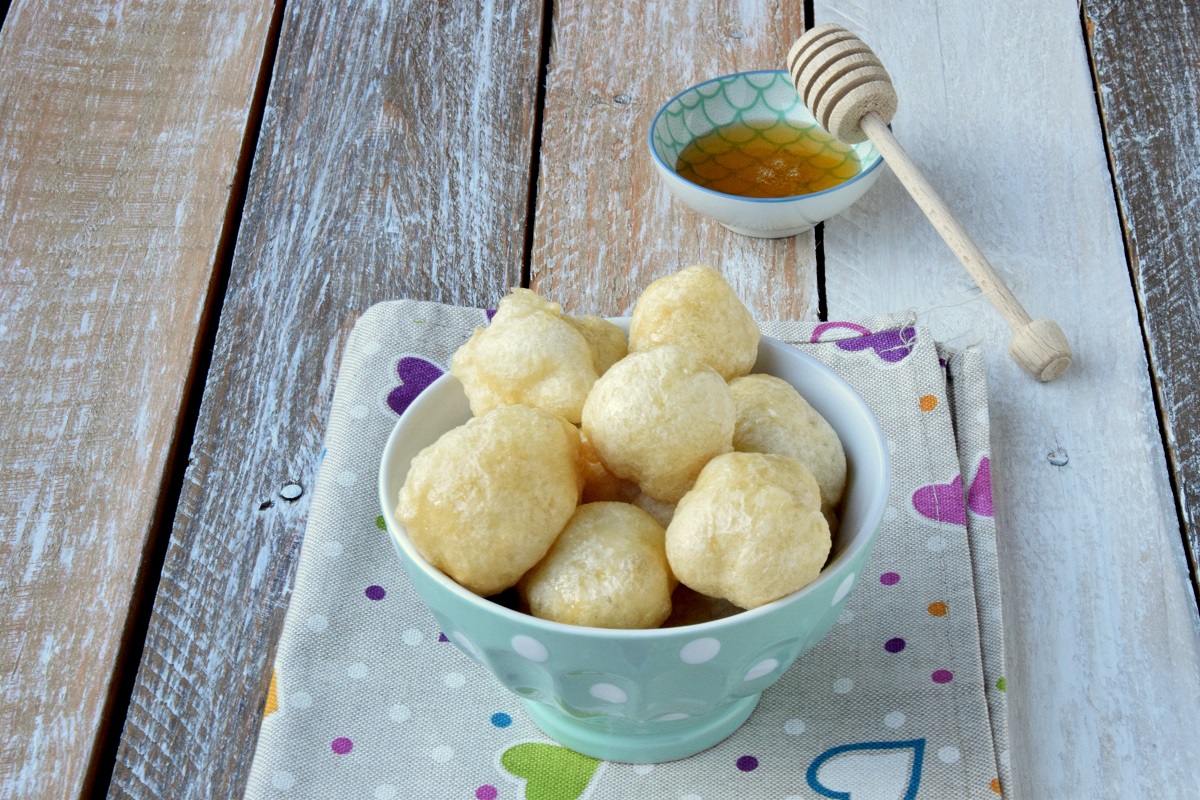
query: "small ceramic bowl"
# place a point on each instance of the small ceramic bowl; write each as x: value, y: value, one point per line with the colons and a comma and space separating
x: 650, y: 695
x: 760, y: 100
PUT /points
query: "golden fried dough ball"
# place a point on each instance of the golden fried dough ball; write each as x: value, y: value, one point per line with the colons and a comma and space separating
x: 657, y: 417
x: 772, y: 417
x: 689, y: 607
x: 530, y: 355
x: 697, y: 309
x: 598, y: 483
x: 607, y: 341
x: 607, y: 569
x: 751, y: 531
x: 484, y: 503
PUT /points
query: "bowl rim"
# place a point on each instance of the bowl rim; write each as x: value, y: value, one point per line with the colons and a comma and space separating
x: 670, y: 170
x: 872, y: 522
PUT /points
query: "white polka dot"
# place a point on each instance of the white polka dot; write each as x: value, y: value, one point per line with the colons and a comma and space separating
x: 454, y: 679
x: 412, y: 637
x: 386, y: 792
x: 465, y: 644
x: 1004, y: 759
x: 843, y: 685
x: 793, y: 797
x: 359, y: 411
x: 333, y: 549
x: 846, y: 618
x: 895, y: 719
x: 530, y: 648
x: 318, y: 623
x: 608, y: 693
x: 698, y: 651
x: 442, y: 754
x: 673, y: 717
x: 358, y: 670
x: 372, y: 347
x: 995, y: 614
x: 891, y: 447
x: 949, y: 755
x: 890, y: 514
x: 347, y: 478
x: 764, y: 667
x: 298, y: 700
x: 936, y: 544
x: 643, y: 769
x: 399, y: 713
x: 283, y: 780
x: 843, y: 589
x: 691, y: 797
x: 793, y: 727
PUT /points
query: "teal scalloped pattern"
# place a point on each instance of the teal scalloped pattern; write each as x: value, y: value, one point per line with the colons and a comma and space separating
x: 760, y: 101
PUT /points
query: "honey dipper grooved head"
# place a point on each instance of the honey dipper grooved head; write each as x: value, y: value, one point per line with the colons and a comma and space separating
x: 840, y: 79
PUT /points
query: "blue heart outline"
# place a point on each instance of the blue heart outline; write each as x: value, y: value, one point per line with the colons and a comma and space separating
x: 914, y: 779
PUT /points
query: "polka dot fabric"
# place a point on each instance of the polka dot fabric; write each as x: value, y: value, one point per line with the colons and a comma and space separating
x: 373, y: 699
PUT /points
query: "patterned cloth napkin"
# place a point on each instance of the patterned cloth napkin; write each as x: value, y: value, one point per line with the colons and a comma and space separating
x: 903, y: 699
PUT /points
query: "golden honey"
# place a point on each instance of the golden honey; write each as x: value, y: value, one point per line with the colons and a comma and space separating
x: 768, y: 159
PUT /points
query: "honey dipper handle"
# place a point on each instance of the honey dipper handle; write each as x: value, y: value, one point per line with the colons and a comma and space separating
x: 1039, y: 346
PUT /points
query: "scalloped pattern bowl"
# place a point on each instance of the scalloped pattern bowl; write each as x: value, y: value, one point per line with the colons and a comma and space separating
x: 650, y: 695
x: 758, y: 99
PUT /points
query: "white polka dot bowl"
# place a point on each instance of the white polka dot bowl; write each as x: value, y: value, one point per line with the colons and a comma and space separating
x: 760, y: 100
x: 650, y: 695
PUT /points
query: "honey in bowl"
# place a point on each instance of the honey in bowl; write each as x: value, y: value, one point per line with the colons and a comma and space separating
x: 768, y: 159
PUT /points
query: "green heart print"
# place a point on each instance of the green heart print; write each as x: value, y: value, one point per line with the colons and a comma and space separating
x: 551, y: 772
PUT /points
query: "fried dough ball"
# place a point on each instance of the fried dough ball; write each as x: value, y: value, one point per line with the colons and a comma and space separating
x: 772, y: 417
x: 751, y: 531
x: 530, y: 355
x: 689, y: 607
x: 607, y: 569
x: 607, y: 341
x: 697, y: 309
x: 657, y: 417
x: 484, y: 503
x: 598, y: 483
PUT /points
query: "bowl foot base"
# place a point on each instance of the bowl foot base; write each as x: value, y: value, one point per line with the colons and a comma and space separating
x: 759, y: 233
x: 667, y: 741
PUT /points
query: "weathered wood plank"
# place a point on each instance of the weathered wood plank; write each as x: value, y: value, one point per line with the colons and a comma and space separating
x: 122, y: 128
x: 996, y: 104
x: 393, y: 161
x: 1147, y: 66
x: 606, y: 226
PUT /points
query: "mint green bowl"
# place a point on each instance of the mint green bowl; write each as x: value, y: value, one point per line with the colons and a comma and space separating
x: 759, y: 99
x: 650, y: 695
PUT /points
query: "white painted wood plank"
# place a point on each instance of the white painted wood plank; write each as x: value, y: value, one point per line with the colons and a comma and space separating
x: 996, y: 104
x: 121, y: 127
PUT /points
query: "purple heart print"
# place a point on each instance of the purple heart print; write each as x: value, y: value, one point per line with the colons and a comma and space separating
x: 415, y: 374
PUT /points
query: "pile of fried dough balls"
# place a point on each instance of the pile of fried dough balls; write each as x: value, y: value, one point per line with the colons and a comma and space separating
x: 605, y: 479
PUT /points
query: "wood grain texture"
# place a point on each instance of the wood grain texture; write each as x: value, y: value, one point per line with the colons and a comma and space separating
x: 606, y: 225
x: 1147, y: 67
x: 122, y: 127
x: 1101, y: 627
x: 393, y: 161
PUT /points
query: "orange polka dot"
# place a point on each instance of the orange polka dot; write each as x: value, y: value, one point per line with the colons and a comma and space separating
x: 938, y: 609
x: 995, y: 784
x: 928, y: 402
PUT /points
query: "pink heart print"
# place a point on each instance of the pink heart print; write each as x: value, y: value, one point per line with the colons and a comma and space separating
x: 944, y: 502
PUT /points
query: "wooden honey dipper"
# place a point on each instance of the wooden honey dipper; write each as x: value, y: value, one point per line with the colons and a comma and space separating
x: 850, y: 94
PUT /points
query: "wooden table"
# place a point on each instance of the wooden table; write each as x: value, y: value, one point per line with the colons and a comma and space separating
x: 197, y: 200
